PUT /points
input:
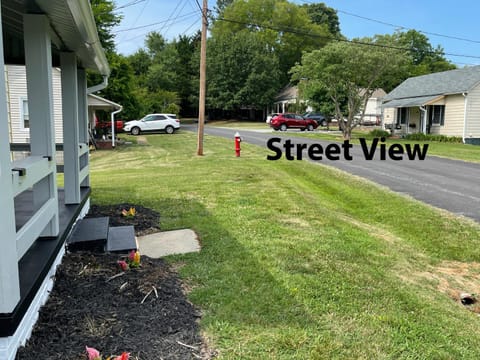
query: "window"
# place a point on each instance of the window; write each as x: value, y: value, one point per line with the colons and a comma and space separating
x: 24, y: 114
x: 437, y: 114
x: 402, y: 116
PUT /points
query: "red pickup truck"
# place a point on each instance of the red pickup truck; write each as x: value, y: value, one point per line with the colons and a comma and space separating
x: 107, y: 125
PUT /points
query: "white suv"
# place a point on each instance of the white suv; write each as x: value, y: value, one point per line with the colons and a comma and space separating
x: 153, y: 122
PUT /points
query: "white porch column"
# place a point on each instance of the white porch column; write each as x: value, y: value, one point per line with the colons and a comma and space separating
x: 68, y: 63
x: 38, y: 60
x: 83, y: 120
x: 9, y: 281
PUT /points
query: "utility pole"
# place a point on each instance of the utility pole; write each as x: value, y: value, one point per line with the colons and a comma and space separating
x: 203, y: 71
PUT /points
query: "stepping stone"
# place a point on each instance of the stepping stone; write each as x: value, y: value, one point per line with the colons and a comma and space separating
x: 168, y: 243
x: 121, y: 239
x: 89, y: 234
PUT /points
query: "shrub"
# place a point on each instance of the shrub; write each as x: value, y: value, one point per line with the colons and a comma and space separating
x: 379, y: 133
x: 431, y: 137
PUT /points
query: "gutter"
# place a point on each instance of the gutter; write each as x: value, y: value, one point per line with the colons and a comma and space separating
x: 98, y: 87
x: 464, y: 135
x: 85, y: 23
x: 112, y: 120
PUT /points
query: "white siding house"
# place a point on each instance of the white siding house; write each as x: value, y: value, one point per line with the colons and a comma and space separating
x: 445, y: 103
x: 36, y: 216
x: 16, y: 86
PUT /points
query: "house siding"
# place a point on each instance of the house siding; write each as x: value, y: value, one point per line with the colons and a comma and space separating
x: 473, y: 114
x: 17, y: 92
x: 454, y: 116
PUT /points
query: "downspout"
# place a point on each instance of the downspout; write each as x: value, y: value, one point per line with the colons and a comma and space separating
x: 424, y: 119
x: 464, y: 135
x: 98, y: 87
x: 112, y: 120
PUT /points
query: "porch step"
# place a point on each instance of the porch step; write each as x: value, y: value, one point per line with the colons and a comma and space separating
x: 89, y: 234
x: 121, y: 239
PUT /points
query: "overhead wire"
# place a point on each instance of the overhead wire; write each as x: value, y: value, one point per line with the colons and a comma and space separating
x: 358, y: 42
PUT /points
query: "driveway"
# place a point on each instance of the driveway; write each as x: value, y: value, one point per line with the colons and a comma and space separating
x: 447, y: 184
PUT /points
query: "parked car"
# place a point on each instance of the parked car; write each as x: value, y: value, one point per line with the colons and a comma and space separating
x: 107, y: 125
x: 319, y: 118
x: 285, y: 121
x: 270, y: 116
x: 153, y: 122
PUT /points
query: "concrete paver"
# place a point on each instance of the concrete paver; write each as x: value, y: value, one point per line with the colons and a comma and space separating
x: 168, y: 243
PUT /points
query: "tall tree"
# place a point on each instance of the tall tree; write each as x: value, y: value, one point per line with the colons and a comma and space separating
x: 348, y: 74
x: 285, y: 29
x: 240, y: 72
x: 424, y: 58
x: 106, y: 19
x: 322, y: 14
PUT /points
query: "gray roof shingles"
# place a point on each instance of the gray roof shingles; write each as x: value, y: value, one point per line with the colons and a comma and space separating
x: 442, y: 83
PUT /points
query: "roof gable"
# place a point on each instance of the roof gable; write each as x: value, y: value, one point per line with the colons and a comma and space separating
x: 442, y: 83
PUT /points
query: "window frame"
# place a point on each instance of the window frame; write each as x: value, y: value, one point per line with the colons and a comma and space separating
x: 23, y: 100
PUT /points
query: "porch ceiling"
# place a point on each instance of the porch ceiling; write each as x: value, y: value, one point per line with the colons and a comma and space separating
x: 411, y: 102
x: 72, y: 29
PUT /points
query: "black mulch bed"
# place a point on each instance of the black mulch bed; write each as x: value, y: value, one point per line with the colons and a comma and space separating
x: 145, y: 221
x: 142, y: 311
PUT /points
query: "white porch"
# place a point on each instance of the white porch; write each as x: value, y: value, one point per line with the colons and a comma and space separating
x: 36, y: 216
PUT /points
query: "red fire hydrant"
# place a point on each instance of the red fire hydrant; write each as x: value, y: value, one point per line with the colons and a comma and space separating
x: 238, y: 140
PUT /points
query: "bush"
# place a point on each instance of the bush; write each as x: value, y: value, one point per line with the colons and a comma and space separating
x: 378, y: 133
x: 431, y: 137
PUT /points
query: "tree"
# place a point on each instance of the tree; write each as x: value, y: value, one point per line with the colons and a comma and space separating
x: 348, y: 73
x: 106, y: 19
x: 322, y: 14
x: 424, y: 58
x: 284, y: 29
x: 240, y: 72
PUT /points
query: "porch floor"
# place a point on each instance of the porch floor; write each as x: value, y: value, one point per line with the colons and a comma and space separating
x: 37, y: 261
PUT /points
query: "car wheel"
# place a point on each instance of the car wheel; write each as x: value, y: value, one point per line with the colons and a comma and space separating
x: 283, y: 127
x: 323, y: 123
x: 135, y: 130
x: 169, y: 129
x: 310, y: 127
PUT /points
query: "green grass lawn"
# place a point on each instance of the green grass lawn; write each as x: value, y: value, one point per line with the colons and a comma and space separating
x: 457, y: 151
x: 464, y: 152
x: 301, y: 261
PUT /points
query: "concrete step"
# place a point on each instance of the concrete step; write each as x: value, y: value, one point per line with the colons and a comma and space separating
x: 89, y: 234
x: 121, y: 239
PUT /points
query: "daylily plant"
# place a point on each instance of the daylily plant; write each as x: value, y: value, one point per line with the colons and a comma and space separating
x: 129, y: 213
x: 94, y: 354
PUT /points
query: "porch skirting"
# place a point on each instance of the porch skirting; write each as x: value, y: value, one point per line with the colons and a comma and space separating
x: 37, y: 270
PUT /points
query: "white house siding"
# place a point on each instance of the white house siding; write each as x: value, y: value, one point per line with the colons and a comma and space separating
x: 17, y: 92
x: 473, y: 114
x: 454, y: 110
x: 389, y: 115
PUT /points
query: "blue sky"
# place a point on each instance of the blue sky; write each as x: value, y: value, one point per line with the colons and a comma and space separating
x: 447, y: 18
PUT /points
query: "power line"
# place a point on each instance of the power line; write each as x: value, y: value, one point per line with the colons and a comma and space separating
x: 131, y: 3
x: 303, y: 33
x: 157, y: 23
x: 173, y: 12
x: 403, y: 27
x: 184, y: 18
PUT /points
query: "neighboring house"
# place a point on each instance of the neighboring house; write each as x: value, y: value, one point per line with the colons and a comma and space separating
x: 445, y: 103
x: 288, y: 97
x: 18, y: 112
x: 373, y: 109
x: 36, y: 215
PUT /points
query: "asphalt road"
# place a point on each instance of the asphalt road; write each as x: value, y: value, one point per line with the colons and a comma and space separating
x: 447, y: 184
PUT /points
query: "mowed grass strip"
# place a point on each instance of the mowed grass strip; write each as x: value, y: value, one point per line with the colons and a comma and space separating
x: 301, y: 261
